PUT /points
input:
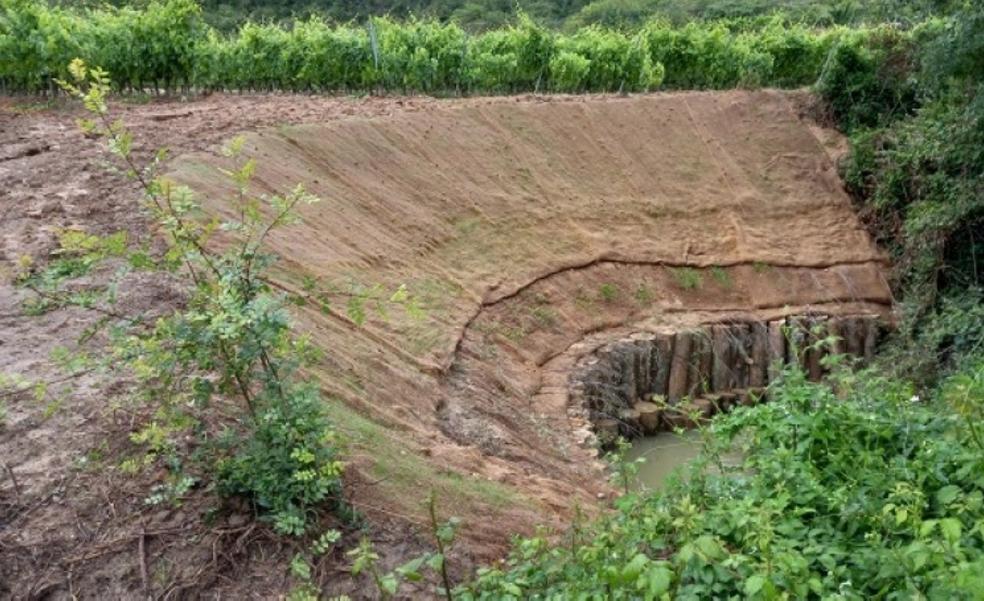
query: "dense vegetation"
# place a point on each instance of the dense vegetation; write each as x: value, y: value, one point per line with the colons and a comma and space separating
x: 914, y: 110
x: 168, y: 45
x: 860, y: 491
x: 477, y: 15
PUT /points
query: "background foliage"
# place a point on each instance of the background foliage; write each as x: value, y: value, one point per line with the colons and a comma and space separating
x: 168, y: 45
x: 477, y: 15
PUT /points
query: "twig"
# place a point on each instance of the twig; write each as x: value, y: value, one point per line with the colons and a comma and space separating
x: 242, y: 537
x: 435, y: 530
x: 64, y: 300
x: 142, y: 551
x: 13, y: 478
x: 114, y: 545
x: 19, y: 391
x: 375, y: 482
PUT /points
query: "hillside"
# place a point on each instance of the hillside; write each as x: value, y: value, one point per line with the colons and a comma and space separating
x: 296, y: 309
x: 502, y: 217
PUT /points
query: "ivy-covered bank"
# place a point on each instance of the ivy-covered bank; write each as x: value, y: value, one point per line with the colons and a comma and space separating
x: 914, y: 110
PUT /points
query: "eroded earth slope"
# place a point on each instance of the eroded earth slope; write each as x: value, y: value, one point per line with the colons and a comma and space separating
x: 524, y: 227
x: 532, y: 231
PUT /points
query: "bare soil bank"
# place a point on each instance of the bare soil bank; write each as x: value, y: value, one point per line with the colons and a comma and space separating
x: 532, y: 230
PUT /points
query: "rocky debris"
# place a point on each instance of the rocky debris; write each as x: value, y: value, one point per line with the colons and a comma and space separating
x: 688, y: 413
x: 650, y: 416
x: 629, y: 422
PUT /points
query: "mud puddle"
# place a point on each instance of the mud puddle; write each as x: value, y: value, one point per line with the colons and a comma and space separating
x: 664, y: 453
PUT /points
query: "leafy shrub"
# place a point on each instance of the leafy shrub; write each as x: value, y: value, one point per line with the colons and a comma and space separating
x: 493, y: 63
x: 569, y: 71
x: 852, y: 492
x: 866, y: 80
x: 914, y: 109
x: 333, y: 58
x: 696, y: 55
x: 613, y: 61
x: 288, y: 464
x: 231, y: 340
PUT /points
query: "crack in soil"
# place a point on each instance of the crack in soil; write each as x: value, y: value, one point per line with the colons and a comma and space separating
x: 613, y: 259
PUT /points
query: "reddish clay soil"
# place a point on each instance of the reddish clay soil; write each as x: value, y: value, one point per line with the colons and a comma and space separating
x: 531, y: 230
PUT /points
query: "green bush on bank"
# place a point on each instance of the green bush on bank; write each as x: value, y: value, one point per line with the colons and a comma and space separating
x: 168, y: 45
x: 856, y: 491
x: 914, y: 110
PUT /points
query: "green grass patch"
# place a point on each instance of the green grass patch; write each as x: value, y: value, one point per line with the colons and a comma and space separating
x: 687, y: 278
x: 722, y: 277
x: 406, y: 477
x: 608, y: 293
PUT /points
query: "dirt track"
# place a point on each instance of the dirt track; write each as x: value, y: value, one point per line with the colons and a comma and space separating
x: 505, y: 217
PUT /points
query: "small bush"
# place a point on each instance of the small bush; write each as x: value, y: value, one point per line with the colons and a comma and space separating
x: 608, y: 292
x: 569, y: 71
x: 687, y: 278
x: 288, y: 463
x: 230, y: 341
x: 865, y: 80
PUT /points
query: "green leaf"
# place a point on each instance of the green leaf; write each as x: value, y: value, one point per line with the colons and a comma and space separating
x: 918, y: 554
x: 754, y: 584
x: 300, y: 568
x: 948, y: 494
x: 709, y: 547
x: 435, y: 561
x: 659, y: 579
x: 926, y: 528
x: 632, y: 570
x: 411, y: 569
x: 512, y: 589
x: 401, y: 294
x: 389, y: 583
x: 950, y: 527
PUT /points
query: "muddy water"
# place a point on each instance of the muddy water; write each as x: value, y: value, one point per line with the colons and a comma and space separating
x: 664, y: 452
